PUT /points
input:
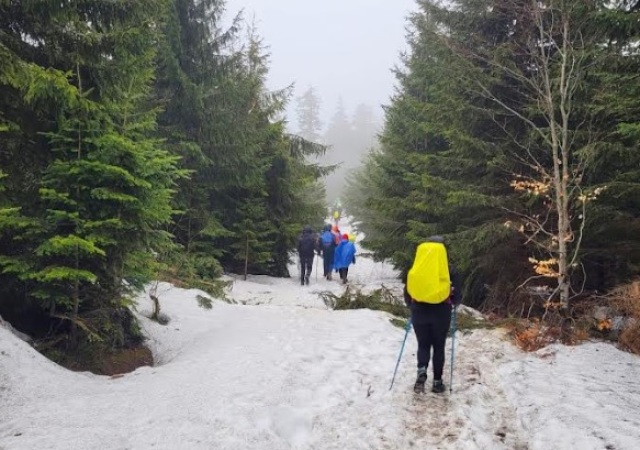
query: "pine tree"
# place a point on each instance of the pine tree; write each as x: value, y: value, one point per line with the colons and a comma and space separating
x: 105, y: 193
x: 475, y: 140
x: 612, y: 183
x: 280, y: 175
x: 195, y: 86
x: 245, y: 183
x: 308, y: 111
x: 433, y: 174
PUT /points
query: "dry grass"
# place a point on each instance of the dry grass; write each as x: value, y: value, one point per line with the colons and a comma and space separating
x: 531, y: 335
x: 537, y: 327
x: 626, y: 299
x: 630, y: 338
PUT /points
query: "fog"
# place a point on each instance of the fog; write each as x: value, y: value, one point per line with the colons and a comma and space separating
x: 344, y: 50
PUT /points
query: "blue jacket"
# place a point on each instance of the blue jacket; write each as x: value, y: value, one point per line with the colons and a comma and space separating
x: 345, y: 255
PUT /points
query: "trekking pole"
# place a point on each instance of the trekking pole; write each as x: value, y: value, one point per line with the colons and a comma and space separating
x: 315, y: 262
x: 453, y: 344
x: 407, y: 327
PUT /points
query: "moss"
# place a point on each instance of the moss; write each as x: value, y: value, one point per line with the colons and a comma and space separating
x: 467, y: 322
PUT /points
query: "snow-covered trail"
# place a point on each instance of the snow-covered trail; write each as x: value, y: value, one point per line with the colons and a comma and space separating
x: 238, y: 377
x: 277, y: 370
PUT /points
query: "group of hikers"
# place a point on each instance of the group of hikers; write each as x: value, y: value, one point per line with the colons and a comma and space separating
x: 432, y: 291
x: 337, y: 251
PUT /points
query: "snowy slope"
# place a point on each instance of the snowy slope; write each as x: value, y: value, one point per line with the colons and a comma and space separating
x: 283, y: 372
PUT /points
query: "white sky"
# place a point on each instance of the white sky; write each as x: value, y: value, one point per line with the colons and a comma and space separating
x: 341, y: 47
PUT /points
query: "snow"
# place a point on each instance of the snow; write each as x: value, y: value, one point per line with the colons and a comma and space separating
x: 275, y: 369
x: 577, y: 397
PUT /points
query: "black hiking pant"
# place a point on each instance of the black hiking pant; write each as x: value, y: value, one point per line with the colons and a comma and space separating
x: 327, y: 256
x: 343, y: 274
x: 431, y: 324
x: 306, y: 266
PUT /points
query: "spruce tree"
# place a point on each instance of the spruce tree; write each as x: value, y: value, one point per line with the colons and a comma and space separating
x: 104, y: 185
x: 308, y: 114
x: 477, y: 147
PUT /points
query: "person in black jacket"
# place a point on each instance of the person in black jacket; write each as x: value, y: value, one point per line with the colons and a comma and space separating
x: 327, y: 246
x: 307, y: 246
x: 431, y: 324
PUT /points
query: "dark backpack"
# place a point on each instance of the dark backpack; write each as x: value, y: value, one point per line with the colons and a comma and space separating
x: 307, y: 244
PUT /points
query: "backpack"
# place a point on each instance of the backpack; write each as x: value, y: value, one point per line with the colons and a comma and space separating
x: 428, y: 280
x: 307, y: 244
x: 327, y: 238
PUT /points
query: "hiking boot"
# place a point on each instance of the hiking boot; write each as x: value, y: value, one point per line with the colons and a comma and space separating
x: 302, y: 281
x: 306, y: 280
x: 438, y: 387
x: 420, y: 381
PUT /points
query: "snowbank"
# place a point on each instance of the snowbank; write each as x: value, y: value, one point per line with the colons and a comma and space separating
x: 583, y: 397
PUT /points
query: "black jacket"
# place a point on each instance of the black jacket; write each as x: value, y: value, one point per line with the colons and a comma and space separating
x: 307, y: 244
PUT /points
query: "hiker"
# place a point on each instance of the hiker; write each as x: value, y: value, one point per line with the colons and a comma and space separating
x: 307, y: 245
x: 336, y: 216
x: 327, y: 245
x: 345, y: 255
x: 336, y: 234
x: 432, y: 288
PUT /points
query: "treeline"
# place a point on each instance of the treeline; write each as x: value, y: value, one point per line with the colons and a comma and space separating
x: 137, y: 140
x: 515, y: 133
x: 349, y: 137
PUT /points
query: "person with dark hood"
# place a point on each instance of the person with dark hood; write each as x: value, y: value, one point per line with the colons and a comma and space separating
x: 433, y: 287
x: 327, y: 245
x: 307, y: 245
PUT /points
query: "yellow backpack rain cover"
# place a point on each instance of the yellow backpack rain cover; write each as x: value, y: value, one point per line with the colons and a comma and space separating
x: 428, y: 280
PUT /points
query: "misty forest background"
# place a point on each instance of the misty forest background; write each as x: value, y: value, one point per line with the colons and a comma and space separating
x: 138, y: 141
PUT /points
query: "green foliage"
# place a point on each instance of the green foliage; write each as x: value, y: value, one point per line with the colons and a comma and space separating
x: 138, y: 140
x: 465, y: 123
x: 248, y: 194
x: 398, y: 323
x: 92, y: 182
x: 204, y: 302
x: 466, y: 322
x: 380, y: 300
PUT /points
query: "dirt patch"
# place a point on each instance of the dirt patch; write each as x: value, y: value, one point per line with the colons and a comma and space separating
x: 126, y: 360
x: 104, y: 361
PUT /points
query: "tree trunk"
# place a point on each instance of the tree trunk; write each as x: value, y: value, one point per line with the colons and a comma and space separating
x: 246, y: 259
